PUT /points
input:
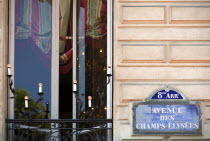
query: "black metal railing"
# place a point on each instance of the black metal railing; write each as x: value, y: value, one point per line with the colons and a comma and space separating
x: 59, y: 130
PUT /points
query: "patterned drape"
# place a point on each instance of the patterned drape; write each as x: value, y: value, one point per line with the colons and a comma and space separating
x: 65, y: 46
x: 33, y: 20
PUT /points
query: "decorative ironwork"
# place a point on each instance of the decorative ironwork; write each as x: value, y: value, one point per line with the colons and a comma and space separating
x: 11, y: 85
x: 40, y: 97
x: 62, y: 130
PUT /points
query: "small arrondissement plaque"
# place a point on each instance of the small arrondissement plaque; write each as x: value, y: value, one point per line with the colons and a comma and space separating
x: 166, y: 112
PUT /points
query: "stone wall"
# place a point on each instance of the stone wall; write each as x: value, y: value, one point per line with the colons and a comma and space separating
x: 158, y: 43
x: 3, y: 64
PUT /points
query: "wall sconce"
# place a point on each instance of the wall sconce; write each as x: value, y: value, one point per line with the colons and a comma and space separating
x: 109, y: 73
x: 75, y: 86
x: 9, y: 76
x: 40, y: 93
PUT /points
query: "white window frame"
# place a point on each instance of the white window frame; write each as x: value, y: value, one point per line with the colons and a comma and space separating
x: 11, y: 53
x: 55, y: 56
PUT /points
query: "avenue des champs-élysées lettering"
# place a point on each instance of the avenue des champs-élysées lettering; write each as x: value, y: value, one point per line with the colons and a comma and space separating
x: 166, y: 111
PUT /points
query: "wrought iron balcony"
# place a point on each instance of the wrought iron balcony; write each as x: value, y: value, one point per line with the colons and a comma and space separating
x: 59, y: 130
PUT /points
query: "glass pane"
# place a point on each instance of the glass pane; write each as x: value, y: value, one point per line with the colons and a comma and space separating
x: 65, y: 60
x: 91, y: 58
x: 33, y: 35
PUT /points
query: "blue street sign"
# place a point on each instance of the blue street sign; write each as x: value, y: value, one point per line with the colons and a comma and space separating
x: 166, y: 119
x: 167, y: 94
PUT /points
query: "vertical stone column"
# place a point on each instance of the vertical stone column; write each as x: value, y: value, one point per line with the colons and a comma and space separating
x: 3, y: 65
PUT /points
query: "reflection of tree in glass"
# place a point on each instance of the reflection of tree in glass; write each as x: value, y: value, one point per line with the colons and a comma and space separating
x: 96, y: 82
x: 36, y: 111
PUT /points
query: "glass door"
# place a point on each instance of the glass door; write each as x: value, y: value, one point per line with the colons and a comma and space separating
x: 80, y: 55
x: 83, y: 59
x: 31, y: 57
x: 64, y: 45
x: 65, y: 59
x: 85, y: 65
x: 91, y: 59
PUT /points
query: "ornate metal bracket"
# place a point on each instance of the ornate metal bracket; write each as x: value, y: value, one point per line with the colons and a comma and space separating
x: 108, y: 77
x: 11, y: 85
x: 40, y: 97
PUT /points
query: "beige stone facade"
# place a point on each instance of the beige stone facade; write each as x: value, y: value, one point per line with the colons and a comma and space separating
x: 3, y: 64
x: 159, y: 43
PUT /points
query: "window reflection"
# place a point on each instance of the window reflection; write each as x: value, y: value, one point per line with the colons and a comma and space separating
x: 91, y: 58
x: 91, y: 51
x: 33, y: 34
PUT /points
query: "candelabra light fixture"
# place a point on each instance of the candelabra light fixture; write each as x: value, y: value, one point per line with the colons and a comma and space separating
x: 10, y: 81
x: 91, y: 110
x: 40, y: 93
x: 26, y: 98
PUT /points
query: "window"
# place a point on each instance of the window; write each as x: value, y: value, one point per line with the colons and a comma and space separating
x: 32, y: 54
x: 90, y: 57
x: 57, y: 43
